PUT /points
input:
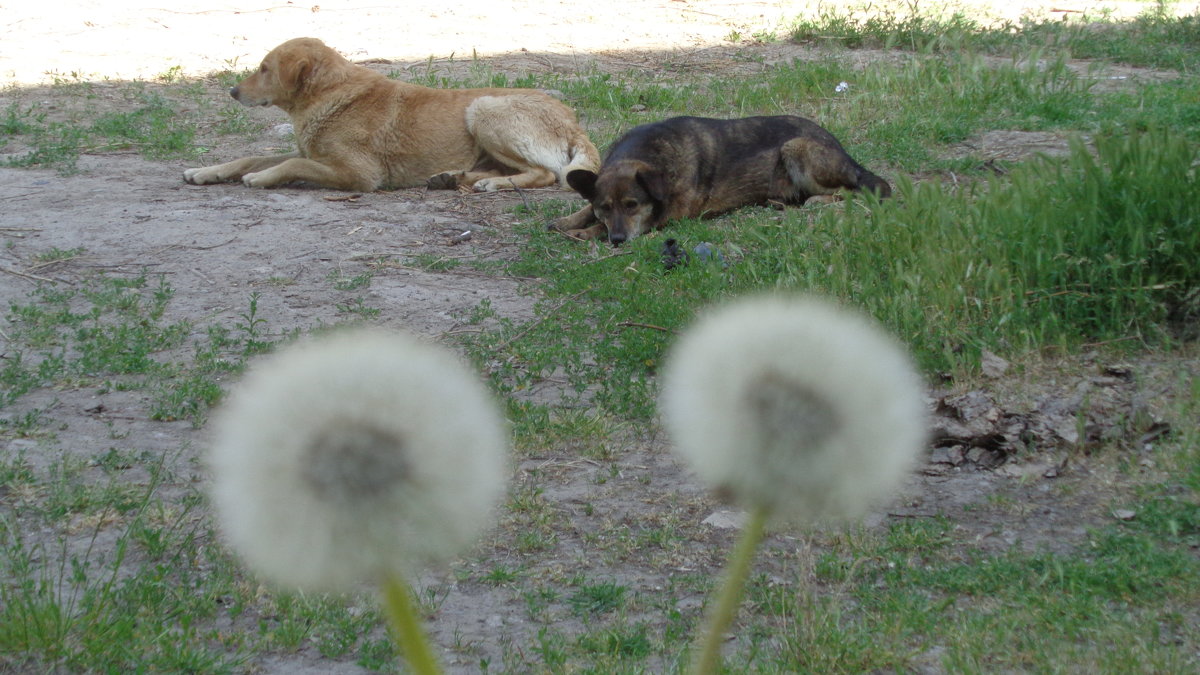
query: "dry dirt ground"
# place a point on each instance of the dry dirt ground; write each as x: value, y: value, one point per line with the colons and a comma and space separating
x: 218, y: 244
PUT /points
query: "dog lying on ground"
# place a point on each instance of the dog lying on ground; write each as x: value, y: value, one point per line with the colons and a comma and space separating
x: 686, y: 167
x: 358, y: 130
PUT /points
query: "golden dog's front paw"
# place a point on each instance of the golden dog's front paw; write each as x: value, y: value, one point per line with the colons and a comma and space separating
x: 202, y: 176
x: 493, y: 184
x: 258, y: 179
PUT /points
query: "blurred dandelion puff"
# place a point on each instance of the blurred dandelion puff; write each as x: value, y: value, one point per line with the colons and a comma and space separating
x: 795, y: 409
x: 354, y: 459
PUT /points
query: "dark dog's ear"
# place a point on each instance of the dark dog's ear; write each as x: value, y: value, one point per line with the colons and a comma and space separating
x: 584, y: 182
x: 653, y: 182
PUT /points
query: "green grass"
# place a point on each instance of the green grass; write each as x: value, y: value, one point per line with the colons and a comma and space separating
x: 1002, y: 264
x: 153, y: 128
x: 597, y: 598
x: 152, y: 602
x: 349, y: 283
x: 108, y: 563
x: 147, y: 121
x: 899, y: 115
x: 112, y: 333
x: 1154, y: 39
x: 1106, y: 608
x: 71, y: 603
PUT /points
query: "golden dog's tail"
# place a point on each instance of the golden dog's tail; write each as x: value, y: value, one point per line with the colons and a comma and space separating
x: 581, y: 155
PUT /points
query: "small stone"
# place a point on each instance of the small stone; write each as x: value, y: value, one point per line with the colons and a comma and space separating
x: 992, y: 365
x: 726, y: 520
x: 951, y: 455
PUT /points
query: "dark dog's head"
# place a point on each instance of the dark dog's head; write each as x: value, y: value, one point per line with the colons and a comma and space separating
x: 289, y: 73
x: 627, y: 197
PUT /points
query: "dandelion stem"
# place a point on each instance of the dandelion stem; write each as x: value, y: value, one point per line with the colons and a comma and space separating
x: 407, y: 627
x: 706, y: 660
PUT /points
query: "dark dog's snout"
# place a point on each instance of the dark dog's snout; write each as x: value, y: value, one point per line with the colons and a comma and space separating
x: 617, y: 238
x: 234, y: 92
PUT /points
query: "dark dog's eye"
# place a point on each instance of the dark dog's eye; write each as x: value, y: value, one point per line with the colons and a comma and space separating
x: 630, y: 204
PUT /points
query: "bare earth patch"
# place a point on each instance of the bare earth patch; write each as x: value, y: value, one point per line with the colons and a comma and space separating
x: 217, y: 245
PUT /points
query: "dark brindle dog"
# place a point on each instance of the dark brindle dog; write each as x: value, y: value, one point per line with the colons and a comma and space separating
x: 693, y: 166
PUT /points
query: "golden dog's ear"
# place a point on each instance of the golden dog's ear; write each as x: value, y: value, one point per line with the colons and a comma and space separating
x: 583, y: 182
x: 294, y: 74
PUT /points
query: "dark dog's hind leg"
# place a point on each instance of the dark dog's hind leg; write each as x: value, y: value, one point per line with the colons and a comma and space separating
x: 817, y: 168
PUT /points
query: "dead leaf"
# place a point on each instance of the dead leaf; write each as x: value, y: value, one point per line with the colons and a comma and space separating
x: 342, y: 198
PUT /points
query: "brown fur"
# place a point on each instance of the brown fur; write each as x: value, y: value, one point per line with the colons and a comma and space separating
x: 358, y: 130
x: 687, y: 167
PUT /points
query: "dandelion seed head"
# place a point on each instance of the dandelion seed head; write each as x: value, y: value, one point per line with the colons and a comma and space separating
x: 793, y: 417
x: 348, y: 464
x: 341, y: 460
x: 795, y: 405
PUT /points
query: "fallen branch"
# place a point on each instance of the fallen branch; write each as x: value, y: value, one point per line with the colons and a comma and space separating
x: 51, y: 263
x: 504, y: 345
x: 634, y: 324
x: 33, y: 277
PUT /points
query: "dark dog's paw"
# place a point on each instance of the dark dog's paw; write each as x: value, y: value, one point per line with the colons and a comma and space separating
x: 576, y: 221
x: 569, y: 224
x: 442, y: 181
x: 585, y: 233
x: 823, y: 199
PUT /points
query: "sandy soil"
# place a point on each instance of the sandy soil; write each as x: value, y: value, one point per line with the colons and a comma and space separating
x: 218, y: 244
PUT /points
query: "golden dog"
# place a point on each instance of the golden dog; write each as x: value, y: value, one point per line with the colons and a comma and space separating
x: 358, y: 130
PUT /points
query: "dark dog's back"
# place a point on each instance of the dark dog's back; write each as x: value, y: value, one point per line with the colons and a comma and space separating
x: 729, y: 156
x: 692, y: 166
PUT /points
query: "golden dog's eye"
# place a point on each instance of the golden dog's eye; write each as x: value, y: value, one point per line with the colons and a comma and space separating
x: 262, y: 68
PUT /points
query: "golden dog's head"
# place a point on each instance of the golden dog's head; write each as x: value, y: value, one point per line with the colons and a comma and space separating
x: 628, y: 197
x: 290, y: 74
